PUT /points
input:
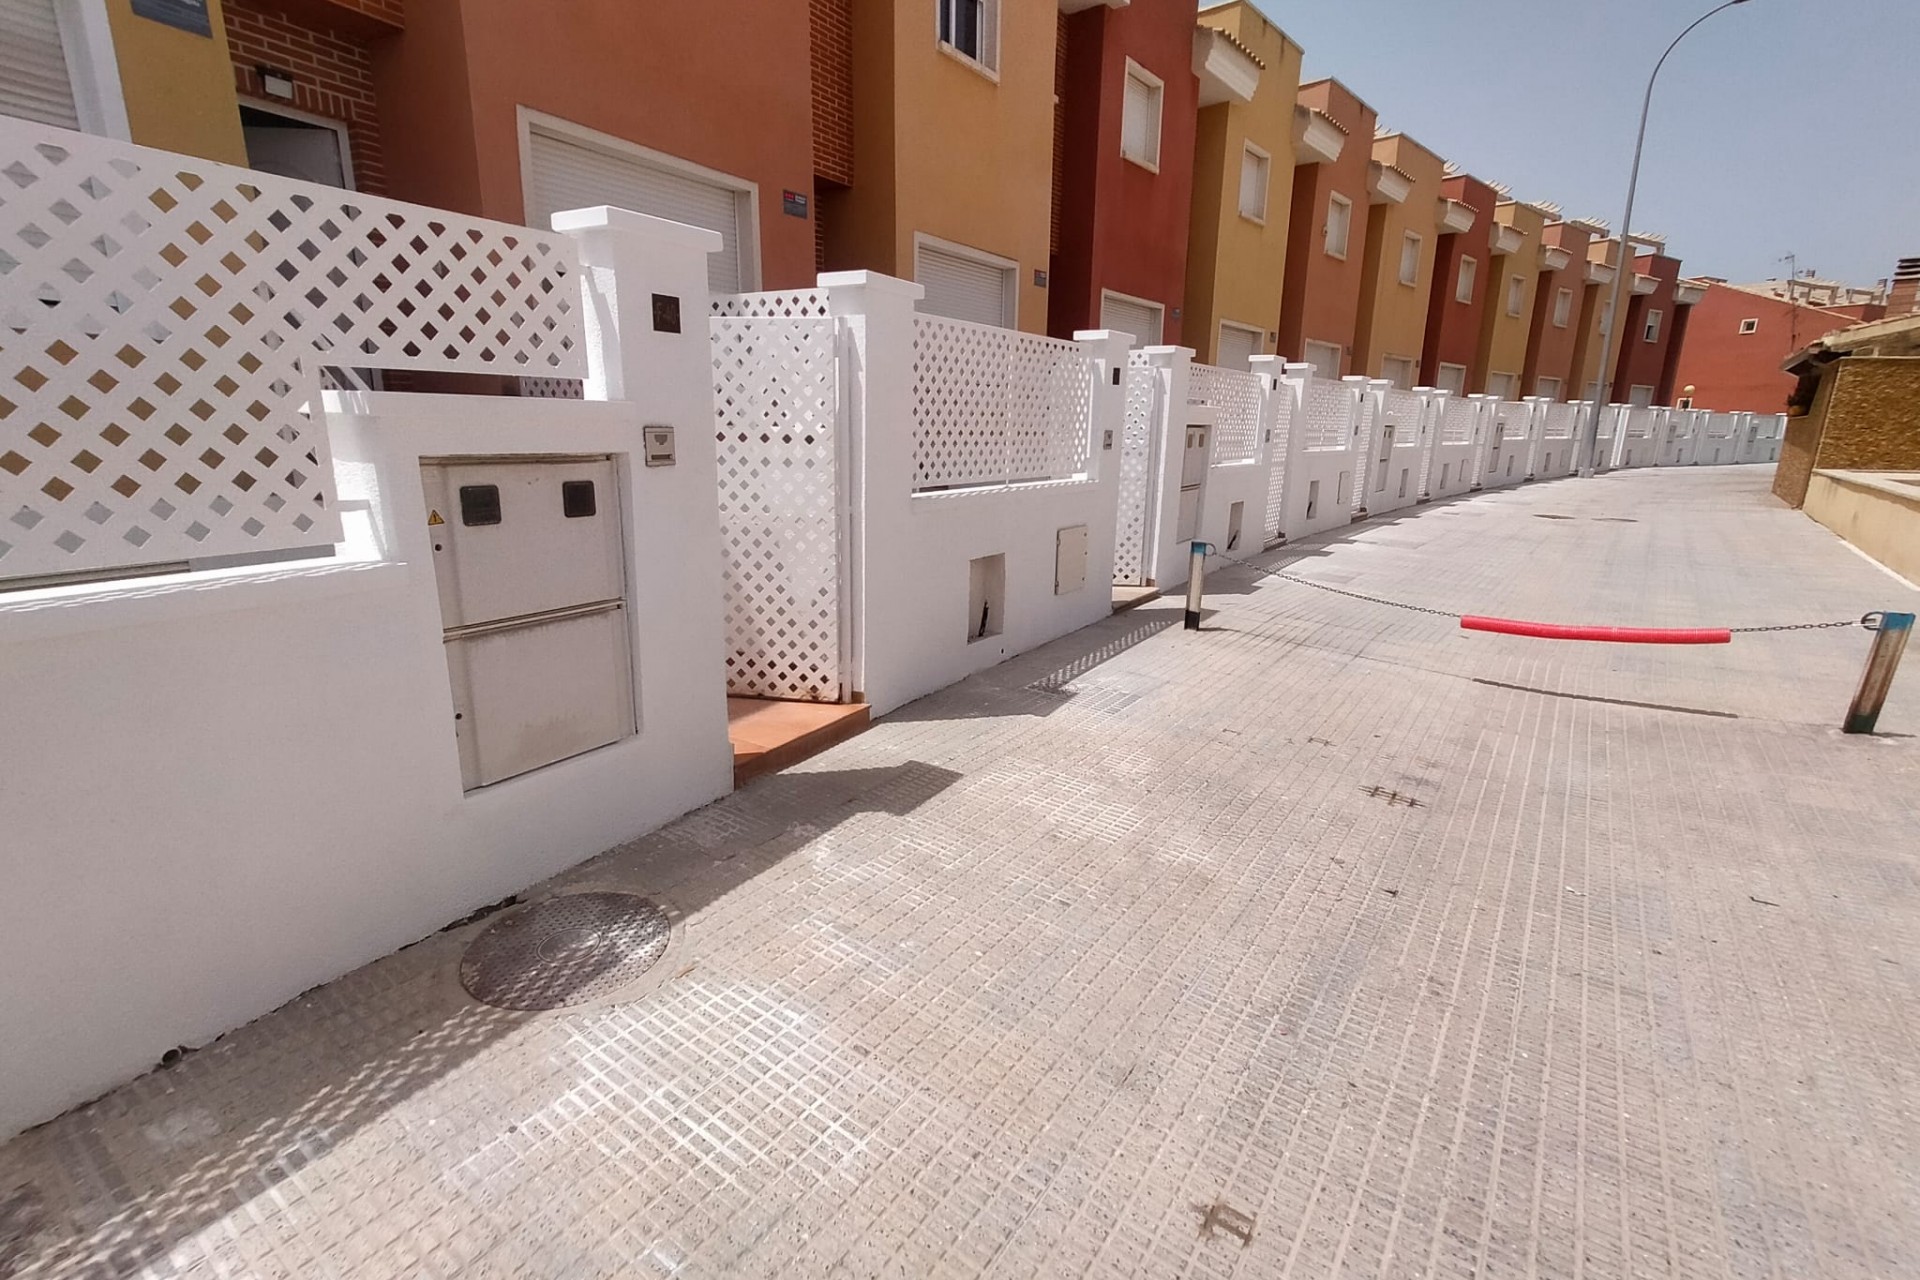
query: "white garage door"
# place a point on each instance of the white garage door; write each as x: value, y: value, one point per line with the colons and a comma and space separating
x: 1128, y: 316
x: 33, y: 68
x: 1238, y: 347
x: 573, y: 175
x: 963, y: 288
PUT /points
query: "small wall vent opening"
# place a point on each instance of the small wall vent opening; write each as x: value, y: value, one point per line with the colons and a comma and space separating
x: 986, y: 597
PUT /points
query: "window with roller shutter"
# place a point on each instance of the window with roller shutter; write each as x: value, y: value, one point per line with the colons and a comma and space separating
x: 962, y: 286
x: 572, y: 173
x: 1239, y: 344
x: 1140, y: 117
x: 1132, y: 315
x: 35, y: 82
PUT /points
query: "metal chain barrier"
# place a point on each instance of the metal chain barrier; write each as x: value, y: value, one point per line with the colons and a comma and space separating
x: 1863, y: 621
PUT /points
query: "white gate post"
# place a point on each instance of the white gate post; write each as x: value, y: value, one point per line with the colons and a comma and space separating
x: 1108, y: 349
x: 1373, y: 407
x: 1485, y: 423
x: 1539, y: 406
x: 1292, y: 383
x: 1361, y: 420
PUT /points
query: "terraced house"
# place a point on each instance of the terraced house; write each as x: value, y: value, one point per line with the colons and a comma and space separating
x: 1403, y: 222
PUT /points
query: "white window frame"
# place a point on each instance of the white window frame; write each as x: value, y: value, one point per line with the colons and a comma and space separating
x: 1551, y: 388
x: 1339, y: 356
x: 1010, y: 266
x: 1137, y: 72
x: 1440, y: 377
x: 1652, y: 332
x: 1511, y: 384
x: 1562, y: 308
x: 339, y: 128
x: 1160, y: 308
x: 1411, y: 240
x: 1410, y: 363
x: 93, y: 68
x: 1336, y: 200
x: 987, y: 65
x: 1750, y: 325
x: 1259, y: 337
x: 1516, y: 295
x: 1468, y: 277
x: 1266, y: 182
x: 746, y: 192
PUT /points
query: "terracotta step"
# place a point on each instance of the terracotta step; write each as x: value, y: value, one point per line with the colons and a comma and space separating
x: 768, y: 736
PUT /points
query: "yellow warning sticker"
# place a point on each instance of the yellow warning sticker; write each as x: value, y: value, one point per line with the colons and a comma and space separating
x: 433, y: 518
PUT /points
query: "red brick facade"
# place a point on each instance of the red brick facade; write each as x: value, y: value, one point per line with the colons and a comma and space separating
x: 832, y: 50
x: 332, y: 74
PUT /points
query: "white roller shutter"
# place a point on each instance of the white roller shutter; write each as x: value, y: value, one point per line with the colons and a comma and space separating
x: 964, y: 288
x: 1238, y: 347
x: 1128, y: 316
x: 34, y: 81
x: 572, y: 175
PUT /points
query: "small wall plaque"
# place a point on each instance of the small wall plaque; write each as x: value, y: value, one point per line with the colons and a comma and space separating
x: 1039, y: 279
x: 659, y: 445
x: 666, y: 313
x: 1106, y: 439
x: 793, y: 204
x: 186, y: 15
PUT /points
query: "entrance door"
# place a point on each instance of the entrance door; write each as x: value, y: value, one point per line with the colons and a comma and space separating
x: 1386, y: 456
x: 1193, y: 477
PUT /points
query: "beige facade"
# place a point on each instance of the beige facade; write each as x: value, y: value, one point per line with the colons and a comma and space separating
x: 1396, y: 279
x: 1513, y: 274
x: 955, y: 153
x: 1242, y: 179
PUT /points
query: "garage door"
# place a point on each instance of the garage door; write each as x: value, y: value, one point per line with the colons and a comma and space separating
x: 574, y: 175
x: 1128, y: 316
x: 964, y: 288
x: 33, y: 68
x: 1238, y: 347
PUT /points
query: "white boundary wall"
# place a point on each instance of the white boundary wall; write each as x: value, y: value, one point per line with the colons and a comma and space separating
x: 226, y: 787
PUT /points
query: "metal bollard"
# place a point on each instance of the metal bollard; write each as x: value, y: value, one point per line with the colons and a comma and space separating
x: 1889, y: 642
x: 1196, y: 582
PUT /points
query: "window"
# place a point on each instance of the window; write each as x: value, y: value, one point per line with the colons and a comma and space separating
x: 1255, y: 165
x: 1140, y: 117
x: 1324, y: 357
x: 1640, y: 395
x: 971, y: 28
x: 1501, y: 385
x: 1463, y: 286
x: 1453, y: 377
x: 1410, y: 259
x: 1653, y: 326
x: 1238, y: 344
x: 964, y: 284
x: 1339, y: 225
x: 57, y: 66
x: 1516, y: 294
x: 1750, y: 326
x: 1140, y: 317
x: 1562, y: 308
x: 1548, y: 387
x: 1399, y: 370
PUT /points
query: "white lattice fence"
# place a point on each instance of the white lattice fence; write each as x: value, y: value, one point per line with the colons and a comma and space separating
x: 1456, y: 421
x: 993, y: 407
x: 1329, y: 409
x: 1514, y: 420
x: 1235, y: 397
x: 1720, y: 426
x: 163, y: 323
x: 1136, y: 460
x: 778, y: 432
x: 1560, y: 422
x: 1641, y: 422
x: 789, y: 303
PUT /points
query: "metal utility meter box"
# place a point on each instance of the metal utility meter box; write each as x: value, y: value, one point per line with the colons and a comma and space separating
x: 529, y: 556
x: 1194, y: 458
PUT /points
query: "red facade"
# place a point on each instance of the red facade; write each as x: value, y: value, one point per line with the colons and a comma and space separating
x: 1551, y: 347
x: 1735, y: 342
x: 1453, y: 325
x: 1123, y: 226
x: 1320, y: 296
x: 1642, y: 359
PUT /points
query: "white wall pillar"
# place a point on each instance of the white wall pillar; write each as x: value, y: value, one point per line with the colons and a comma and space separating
x: 1108, y: 349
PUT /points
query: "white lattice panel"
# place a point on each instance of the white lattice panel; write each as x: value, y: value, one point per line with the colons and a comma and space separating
x: 1329, y: 409
x: 1720, y: 426
x: 778, y: 433
x: 1403, y: 409
x: 1640, y: 423
x: 163, y: 322
x: 552, y: 388
x: 1136, y: 457
x: 1276, y: 471
x: 1235, y: 397
x: 1456, y: 421
x: 1560, y: 420
x: 1513, y: 419
x: 992, y: 406
x: 790, y: 303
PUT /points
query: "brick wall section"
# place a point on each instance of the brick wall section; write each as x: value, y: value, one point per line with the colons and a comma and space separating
x: 831, y: 38
x: 332, y: 70
x: 388, y: 11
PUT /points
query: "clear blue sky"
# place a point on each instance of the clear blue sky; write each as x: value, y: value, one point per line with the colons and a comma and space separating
x: 1778, y: 126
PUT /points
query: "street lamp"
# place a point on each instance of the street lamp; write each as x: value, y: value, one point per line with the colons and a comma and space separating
x: 1624, y: 268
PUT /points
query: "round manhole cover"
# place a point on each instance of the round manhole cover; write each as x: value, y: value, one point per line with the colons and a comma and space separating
x: 565, y: 950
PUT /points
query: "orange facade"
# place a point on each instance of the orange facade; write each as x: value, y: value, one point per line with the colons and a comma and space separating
x: 1320, y: 299
x: 1554, y: 337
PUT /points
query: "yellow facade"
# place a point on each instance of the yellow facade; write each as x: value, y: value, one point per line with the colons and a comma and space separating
x: 178, y: 86
x: 1512, y: 278
x: 948, y: 149
x: 1593, y: 305
x: 1393, y: 311
x: 1237, y: 264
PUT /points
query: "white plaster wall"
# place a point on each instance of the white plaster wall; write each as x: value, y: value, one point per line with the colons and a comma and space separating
x: 1227, y: 483
x: 220, y: 789
x: 1331, y: 511
x: 1455, y: 462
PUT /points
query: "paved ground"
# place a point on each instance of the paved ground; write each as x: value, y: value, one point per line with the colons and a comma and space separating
x: 1417, y: 953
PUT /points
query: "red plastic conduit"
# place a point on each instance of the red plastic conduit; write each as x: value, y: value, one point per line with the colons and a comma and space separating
x: 1617, y: 635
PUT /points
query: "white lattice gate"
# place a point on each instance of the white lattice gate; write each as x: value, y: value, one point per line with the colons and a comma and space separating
x: 781, y: 433
x: 1136, y: 474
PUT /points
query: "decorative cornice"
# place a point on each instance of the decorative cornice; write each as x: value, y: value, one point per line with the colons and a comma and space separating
x: 1387, y: 184
x: 1317, y: 137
